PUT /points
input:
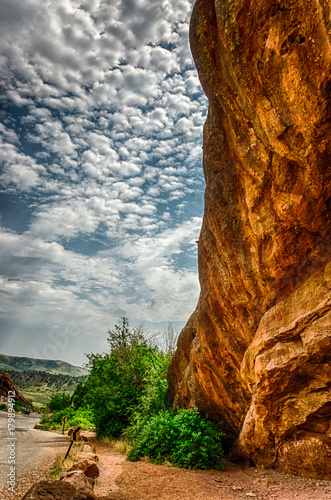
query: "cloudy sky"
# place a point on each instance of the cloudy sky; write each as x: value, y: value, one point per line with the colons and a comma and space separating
x: 101, y: 184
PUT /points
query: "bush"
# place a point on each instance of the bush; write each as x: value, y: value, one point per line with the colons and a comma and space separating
x: 59, y: 401
x: 118, y: 379
x: 3, y: 407
x: 185, y: 439
x: 82, y: 417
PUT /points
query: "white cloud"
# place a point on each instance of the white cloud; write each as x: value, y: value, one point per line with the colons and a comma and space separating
x: 105, y: 147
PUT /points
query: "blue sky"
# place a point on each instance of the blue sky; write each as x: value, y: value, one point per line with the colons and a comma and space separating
x: 101, y: 183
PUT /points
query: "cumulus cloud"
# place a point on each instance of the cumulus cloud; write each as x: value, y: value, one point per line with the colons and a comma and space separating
x: 100, y: 147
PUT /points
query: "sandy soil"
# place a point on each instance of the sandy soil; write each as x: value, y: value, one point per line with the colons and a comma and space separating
x: 123, y: 480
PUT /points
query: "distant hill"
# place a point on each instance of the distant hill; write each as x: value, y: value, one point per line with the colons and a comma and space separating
x: 21, y: 364
x: 38, y: 386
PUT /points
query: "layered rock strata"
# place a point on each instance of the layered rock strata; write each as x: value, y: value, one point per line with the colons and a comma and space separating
x: 287, y: 369
x: 7, y: 386
x: 266, y: 70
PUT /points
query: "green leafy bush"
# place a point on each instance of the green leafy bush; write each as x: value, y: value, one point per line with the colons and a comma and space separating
x: 153, y: 397
x: 59, y: 401
x: 82, y: 417
x: 185, y: 439
x: 118, y: 379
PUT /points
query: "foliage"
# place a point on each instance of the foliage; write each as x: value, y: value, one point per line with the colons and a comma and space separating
x: 19, y: 405
x: 82, y: 417
x: 59, y: 401
x: 3, y: 407
x: 117, y: 379
x: 185, y: 439
x: 125, y: 396
x: 153, y: 396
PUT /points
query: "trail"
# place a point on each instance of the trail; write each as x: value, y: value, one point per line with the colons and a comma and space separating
x: 123, y: 480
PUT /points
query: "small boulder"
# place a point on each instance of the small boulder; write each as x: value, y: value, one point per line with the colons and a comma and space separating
x: 87, y: 448
x: 89, y: 468
x: 57, y: 490
x: 87, y: 456
x: 77, y: 479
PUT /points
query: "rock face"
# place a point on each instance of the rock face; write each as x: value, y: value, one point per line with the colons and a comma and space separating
x: 287, y: 368
x: 6, y: 385
x: 265, y: 68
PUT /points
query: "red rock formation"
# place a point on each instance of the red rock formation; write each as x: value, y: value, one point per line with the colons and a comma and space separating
x: 7, y: 385
x: 287, y: 369
x: 265, y: 68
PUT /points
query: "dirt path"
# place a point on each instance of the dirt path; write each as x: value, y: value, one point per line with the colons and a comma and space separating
x: 123, y: 480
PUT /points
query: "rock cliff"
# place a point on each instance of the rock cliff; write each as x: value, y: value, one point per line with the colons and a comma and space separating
x: 7, y: 385
x: 266, y: 70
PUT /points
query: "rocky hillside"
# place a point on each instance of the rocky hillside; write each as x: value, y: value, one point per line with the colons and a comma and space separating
x: 256, y: 352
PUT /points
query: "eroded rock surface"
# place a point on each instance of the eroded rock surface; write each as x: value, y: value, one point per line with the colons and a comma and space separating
x: 287, y: 368
x: 58, y: 490
x: 265, y: 68
x: 7, y: 386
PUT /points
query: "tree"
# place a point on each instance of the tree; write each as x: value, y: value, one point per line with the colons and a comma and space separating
x: 117, y: 379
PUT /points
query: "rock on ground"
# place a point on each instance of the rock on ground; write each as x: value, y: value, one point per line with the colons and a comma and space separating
x: 89, y: 467
x: 57, y: 490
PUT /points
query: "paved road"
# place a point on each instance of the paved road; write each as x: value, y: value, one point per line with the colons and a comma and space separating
x: 31, y: 447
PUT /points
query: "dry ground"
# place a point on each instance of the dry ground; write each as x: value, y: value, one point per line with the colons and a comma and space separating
x: 123, y: 480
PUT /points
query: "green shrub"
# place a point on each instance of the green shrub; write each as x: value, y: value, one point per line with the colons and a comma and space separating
x: 82, y: 417
x: 118, y: 379
x: 153, y: 397
x: 59, y: 401
x: 3, y: 407
x: 185, y: 439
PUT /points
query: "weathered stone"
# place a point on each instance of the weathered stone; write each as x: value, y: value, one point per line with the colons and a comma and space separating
x: 87, y: 456
x: 78, y: 479
x: 57, y: 490
x: 89, y: 467
x: 7, y: 386
x: 265, y: 68
x: 287, y: 368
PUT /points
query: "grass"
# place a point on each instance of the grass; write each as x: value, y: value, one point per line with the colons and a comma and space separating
x: 118, y: 444
x: 60, y: 465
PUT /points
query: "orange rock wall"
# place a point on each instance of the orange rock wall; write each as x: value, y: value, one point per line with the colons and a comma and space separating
x: 266, y: 70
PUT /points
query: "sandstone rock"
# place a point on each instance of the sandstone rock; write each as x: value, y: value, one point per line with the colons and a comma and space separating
x: 89, y: 467
x: 87, y: 448
x: 265, y: 68
x: 287, y: 368
x: 57, y: 490
x: 87, y: 456
x: 7, y: 385
x: 78, y: 479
